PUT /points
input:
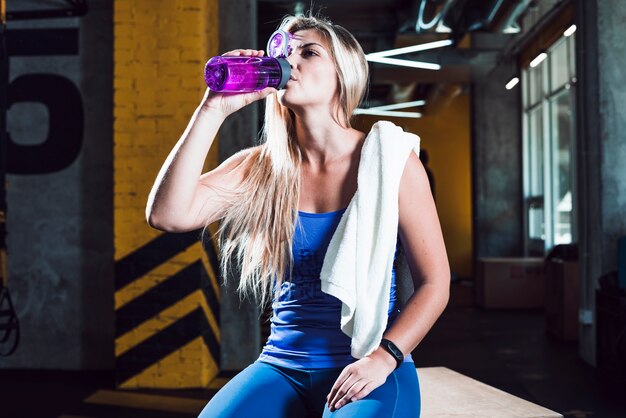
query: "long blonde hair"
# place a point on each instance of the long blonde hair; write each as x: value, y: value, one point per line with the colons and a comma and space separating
x: 257, y: 228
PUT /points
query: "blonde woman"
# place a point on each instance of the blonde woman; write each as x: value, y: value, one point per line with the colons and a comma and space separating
x: 280, y: 203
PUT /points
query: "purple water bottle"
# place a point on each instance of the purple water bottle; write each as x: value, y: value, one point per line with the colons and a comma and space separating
x: 246, y: 74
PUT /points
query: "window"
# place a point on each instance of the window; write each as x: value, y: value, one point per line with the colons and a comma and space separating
x: 549, y: 149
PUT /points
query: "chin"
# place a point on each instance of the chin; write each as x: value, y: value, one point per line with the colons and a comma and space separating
x: 285, y: 99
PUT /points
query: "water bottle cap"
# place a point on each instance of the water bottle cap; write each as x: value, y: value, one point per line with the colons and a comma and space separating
x: 279, y: 44
x: 285, y: 69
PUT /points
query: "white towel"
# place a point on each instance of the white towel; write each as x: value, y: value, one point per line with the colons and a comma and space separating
x: 359, y: 260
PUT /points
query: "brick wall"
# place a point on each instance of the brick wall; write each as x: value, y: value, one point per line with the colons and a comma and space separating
x: 167, y: 294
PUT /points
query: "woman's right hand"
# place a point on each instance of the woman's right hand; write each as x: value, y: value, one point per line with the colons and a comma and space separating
x: 227, y: 103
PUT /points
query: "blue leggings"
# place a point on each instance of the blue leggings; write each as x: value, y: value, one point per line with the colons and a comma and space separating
x: 267, y: 390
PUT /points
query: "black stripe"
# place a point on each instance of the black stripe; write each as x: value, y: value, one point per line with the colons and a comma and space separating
x: 207, y: 288
x: 209, y: 249
x: 209, y: 295
x: 155, y: 348
x: 39, y: 42
x: 213, y: 345
x: 161, y: 296
x: 151, y: 255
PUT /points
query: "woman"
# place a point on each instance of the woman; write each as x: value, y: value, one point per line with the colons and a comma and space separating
x: 280, y: 203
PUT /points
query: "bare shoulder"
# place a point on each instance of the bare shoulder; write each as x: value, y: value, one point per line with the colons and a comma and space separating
x: 414, y: 176
x: 414, y: 193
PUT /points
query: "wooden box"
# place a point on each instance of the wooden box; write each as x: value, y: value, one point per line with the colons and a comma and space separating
x: 510, y: 282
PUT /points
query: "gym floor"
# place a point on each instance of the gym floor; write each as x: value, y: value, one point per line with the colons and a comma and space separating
x: 507, y: 349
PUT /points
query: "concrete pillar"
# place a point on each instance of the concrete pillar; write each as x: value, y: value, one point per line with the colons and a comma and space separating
x: 601, y: 93
x: 497, y: 166
x: 239, y: 319
x: 612, y: 80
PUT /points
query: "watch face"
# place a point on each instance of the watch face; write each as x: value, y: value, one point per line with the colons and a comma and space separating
x: 395, y: 351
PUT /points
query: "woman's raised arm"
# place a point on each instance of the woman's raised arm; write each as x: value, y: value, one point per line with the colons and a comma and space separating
x: 182, y: 198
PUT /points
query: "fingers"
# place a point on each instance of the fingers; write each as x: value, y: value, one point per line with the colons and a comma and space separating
x: 266, y: 92
x: 258, y: 95
x: 335, y: 402
x: 356, y: 381
x: 344, y: 389
x: 244, y: 52
x: 332, y: 396
x: 365, y: 390
x: 351, y: 395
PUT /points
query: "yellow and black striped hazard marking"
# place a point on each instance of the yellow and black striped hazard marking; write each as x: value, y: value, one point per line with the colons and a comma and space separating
x: 167, y: 309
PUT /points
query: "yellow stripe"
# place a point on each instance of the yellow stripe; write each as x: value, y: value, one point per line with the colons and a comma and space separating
x: 157, y: 275
x: 189, y: 367
x: 164, y: 319
x: 146, y: 401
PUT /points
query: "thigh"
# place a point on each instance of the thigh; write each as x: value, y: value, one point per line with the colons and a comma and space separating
x: 398, y: 397
x: 260, y: 390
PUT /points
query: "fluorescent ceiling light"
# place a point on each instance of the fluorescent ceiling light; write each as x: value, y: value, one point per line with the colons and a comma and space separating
x: 400, y: 105
x: 538, y: 59
x: 378, y: 112
x: 413, y: 48
x: 388, y: 110
x: 570, y: 31
x: 512, y: 83
x: 405, y: 63
x: 512, y: 29
x: 382, y: 56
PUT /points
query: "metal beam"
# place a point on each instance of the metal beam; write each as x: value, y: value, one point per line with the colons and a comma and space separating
x: 384, y: 74
x: 77, y: 8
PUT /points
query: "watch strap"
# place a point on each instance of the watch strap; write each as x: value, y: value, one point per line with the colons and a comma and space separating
x: 393, y: 349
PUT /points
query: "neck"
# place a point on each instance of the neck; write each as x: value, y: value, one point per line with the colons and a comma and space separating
x: 323, y: 140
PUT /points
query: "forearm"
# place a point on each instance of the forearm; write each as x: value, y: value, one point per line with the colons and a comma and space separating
x: 417, y: 317
x: 176, y: 183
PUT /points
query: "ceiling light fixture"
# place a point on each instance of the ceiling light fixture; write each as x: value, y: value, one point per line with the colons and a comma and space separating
x: 538, y: 59
x: 383, y: 56
x: 404, y: 63
x: 512, y: 83
x: 570, y: 31
x: 400, y: 105
x: 388, y: 110
x: 378, y: 112
x: 413, y: 48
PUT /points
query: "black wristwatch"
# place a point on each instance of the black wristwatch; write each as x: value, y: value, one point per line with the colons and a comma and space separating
x: 393, y: 349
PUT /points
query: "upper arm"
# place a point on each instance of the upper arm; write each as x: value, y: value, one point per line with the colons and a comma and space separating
x: 211, y: 196
x: 419, y: 228
x: 229, y: 174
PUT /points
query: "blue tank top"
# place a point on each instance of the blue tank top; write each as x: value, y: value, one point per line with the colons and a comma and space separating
x: 305, y: 325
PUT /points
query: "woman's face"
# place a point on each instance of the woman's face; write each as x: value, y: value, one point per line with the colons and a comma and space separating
x: 313, y: 80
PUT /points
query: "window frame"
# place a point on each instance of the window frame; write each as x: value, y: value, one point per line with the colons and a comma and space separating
x: 544, y: 104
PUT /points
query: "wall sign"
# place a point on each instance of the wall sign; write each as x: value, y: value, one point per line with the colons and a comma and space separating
x: 57, y: 93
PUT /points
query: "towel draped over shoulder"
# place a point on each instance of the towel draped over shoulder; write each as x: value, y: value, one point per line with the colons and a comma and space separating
x: 358, y: 264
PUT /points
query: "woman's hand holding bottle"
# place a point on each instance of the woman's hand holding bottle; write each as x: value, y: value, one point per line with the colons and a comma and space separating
x: 224, y: 104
